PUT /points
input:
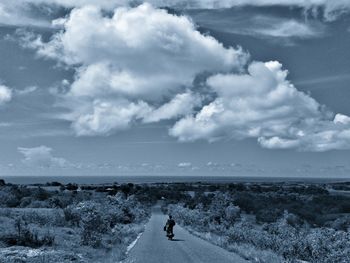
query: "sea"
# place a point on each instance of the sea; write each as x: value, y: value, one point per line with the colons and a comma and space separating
x: 140, y: 179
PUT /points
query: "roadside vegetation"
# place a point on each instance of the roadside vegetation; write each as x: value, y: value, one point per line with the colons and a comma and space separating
x: 67, y: 223
x: 270, y: 222
x: 262, y: 222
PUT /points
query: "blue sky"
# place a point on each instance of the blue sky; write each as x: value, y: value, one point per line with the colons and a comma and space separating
x: 233, y: 87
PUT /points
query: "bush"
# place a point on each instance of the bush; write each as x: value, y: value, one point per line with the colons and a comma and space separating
x: 268, y: 215
x: 71, y: 216
x: 46, y: 217
x: 26, y: 237
x: 2, y: 182
x: 94, y: 226
x: 72, y: 187
x: 26, y: 201
x: 232, y: 213
x: 12, y: 201
x: 287, y: 234
x: 41, y: 194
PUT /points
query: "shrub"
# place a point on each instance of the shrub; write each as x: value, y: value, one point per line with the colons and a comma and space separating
x: 47, y: 217
x: 2, y: 182
x: 26, y: 201
x: 71, y: 216
x: 41, y: 194
x: 268, y: 215
x: 72, y: 187
x: 26, y: 237
x: 232, y: 213
x: 12, y: 201
x: 94, y: 226
x: 287, y: 234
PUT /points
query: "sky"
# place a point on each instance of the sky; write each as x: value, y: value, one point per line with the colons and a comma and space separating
x: 232, y: 87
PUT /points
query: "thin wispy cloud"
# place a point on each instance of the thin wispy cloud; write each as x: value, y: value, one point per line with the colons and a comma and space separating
x: 18, y: 13
x: 286, y: 28
x: 261, y: 26
x: 26, y: 90
x: 5, y: 124
x: 28, y: 12
x: 323, y: 79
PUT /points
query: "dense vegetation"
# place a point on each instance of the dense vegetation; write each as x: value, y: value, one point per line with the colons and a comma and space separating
x: 285, y: 222
x: 263, y: 222
x: 64, y: 223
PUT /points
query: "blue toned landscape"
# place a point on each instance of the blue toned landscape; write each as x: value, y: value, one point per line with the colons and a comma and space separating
x: 272, y: 221
x: 192, y: 131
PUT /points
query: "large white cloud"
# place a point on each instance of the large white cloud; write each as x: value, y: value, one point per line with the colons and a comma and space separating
x: 5, y: 94
x: 128, y: 74
x: 126, y: 71
x: 259, y: 103
x: 163, y: 42
x: 41, y: 156
x: 263, y: 104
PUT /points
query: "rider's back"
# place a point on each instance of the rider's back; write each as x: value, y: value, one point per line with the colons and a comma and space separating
x: 171, y: 223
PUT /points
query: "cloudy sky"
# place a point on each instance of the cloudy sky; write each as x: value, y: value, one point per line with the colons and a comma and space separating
x: 232, y: 87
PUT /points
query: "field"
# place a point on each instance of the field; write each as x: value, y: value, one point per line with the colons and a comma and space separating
x: 270, y: 222
x: 66, y: 223
x: 262, y: 222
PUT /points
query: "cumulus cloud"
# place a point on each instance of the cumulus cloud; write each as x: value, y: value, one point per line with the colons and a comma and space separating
x: 5, y: 94
x: 341, y: 119
x: 126, y: 73
x: 107, y: 117
x: 181, y: 105
x: 263, y: 104
x: 42, y: 157
x: 164, y: 42
x: 184, y: 165
x: 248, y: 105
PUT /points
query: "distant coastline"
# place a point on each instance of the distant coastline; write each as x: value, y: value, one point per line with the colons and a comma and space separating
x: 162, y: 179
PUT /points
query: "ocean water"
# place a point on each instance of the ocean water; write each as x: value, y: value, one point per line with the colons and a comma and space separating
x: 139, y: 179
